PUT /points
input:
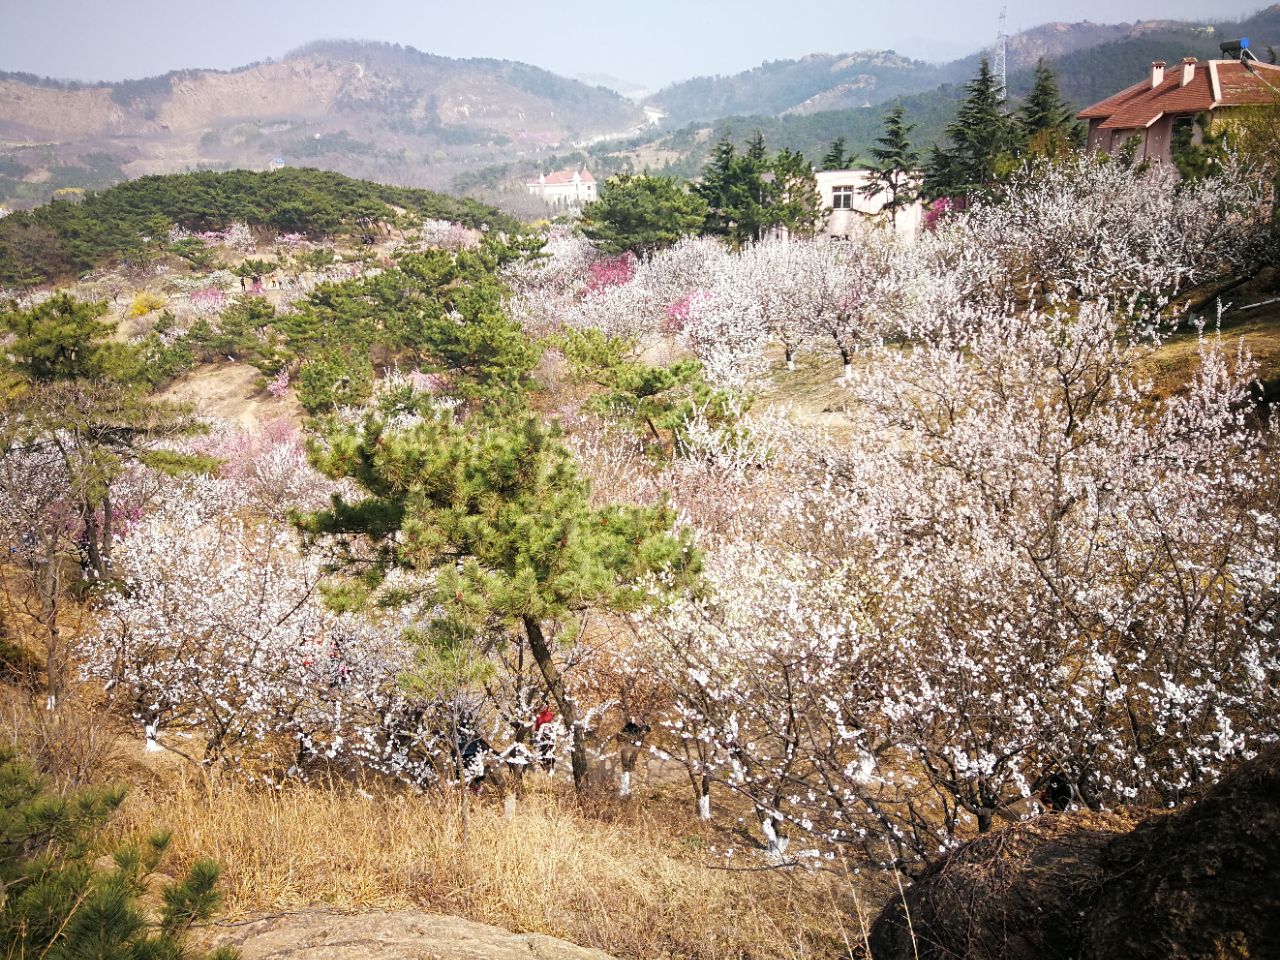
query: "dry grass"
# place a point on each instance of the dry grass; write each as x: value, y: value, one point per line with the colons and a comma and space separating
x: 1171, y: 367
x: 632, y: 887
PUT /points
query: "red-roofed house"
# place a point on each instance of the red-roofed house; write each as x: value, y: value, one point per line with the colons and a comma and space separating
x: 1153, y: 108
x: 564, y: 188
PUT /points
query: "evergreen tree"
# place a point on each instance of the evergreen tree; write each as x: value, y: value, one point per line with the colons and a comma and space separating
x: 1047, y: 125
x: 1196, y: 160
x: 719, y: 188
x: 56, y: 903
x: 656, y: 402
x: 894, y: 170
x: 937, y: 173
x: 792, y: 201
x: 496, y: 516
x: 65, y: 339
x: 72, y: 425
x: 979, y: 137
x: 75, y: 393
x: 642, y: 214
x: 835, y: 157
x: 437, y: 310
x: 733, y: 185
x: 749, y: 193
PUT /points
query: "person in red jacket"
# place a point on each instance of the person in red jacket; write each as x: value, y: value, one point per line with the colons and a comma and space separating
x: 544, y: 737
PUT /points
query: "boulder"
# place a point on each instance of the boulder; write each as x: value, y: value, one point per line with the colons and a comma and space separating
x: 388, y: 935
x: 1201, y: 883
x: 1007, y: 895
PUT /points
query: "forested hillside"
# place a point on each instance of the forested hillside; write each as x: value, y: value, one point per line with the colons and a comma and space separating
x: 782, y: 85
x: 65, y: 238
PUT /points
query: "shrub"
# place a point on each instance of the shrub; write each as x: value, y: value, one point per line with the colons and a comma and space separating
x: 144, y: 302
x: 57, y: 903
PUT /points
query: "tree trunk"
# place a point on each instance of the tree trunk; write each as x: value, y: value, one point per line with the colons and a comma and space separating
x: 50, y: 586
x: 108, y: 540
x: 776, y: 844
x: 568, y: 709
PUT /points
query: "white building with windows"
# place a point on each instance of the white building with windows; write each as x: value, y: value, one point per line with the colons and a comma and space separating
x: 564, y: 188
x: 841, y: 192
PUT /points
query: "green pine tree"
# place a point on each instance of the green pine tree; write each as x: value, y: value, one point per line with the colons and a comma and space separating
x: 792, y: 201
x: 835, y: 158
x: 74, y: 401
x: 56, y: 903
x: 642, y: 214
x: 497, y: 517
x: 1196, y: 148
x: 1046, y: 123
x: 980, y: 137
x: 655, y: 402
x: 893, y: 172
x: 734, y: 188
x: 65, y: 339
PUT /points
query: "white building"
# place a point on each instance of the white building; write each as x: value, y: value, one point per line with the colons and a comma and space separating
x: 564, y: 188
x: 841, y: 192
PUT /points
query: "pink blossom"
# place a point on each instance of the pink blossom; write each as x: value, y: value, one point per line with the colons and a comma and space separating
x: 279, y: 386
x: 611, y: 272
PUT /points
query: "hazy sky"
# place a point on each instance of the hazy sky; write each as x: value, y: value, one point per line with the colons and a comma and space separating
x: 650, y: 42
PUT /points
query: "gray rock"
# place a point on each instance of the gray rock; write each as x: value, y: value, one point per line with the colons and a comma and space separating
x: 393, y: 935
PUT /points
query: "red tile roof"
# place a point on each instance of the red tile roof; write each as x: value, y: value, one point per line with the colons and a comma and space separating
x: 1214, y: 83
x: 566, y: 176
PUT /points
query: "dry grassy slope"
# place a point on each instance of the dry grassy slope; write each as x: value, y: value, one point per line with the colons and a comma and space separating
x: 299, y: 88
x: 29, y: 112
x: 364, y: 86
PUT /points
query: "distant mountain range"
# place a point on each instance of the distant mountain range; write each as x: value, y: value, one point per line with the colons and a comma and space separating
x: 823, y: 82
x: 395, y: 114
x: 369, y: 109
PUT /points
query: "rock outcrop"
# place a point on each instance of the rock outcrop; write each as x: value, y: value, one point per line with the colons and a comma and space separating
x: 395, y: 935
x: 1202, y: 883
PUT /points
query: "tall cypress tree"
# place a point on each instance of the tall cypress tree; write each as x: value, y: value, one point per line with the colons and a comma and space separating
x: 720, y: 189
x: 734, y: 187
x: 755, y: 215
x: 835, y: 157
x: 979, y: 136
x: 1046, y: 123
x: 895, y: 166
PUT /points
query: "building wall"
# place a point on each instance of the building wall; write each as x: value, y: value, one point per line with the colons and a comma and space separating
x: 1100, y: 139
x: 564, y: 194
x: 1156, y: 143
x: 849, y: 183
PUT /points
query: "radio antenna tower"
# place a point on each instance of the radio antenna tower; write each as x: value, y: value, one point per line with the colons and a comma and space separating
x: 999, y: 68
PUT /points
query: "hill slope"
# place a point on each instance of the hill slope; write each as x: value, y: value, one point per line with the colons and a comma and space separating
x: 367, y: 109
x: 61, y: 240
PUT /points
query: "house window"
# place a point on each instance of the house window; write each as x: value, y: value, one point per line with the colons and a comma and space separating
x: 842, y: 198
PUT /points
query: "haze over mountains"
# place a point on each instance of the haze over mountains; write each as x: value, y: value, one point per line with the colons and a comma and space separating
x: 396, y: 114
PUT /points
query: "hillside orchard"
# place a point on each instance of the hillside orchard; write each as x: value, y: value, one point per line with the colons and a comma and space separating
x: 1001, y: 561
